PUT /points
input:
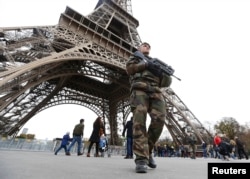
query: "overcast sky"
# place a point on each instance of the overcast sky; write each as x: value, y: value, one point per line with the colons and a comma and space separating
x: 207, y: 42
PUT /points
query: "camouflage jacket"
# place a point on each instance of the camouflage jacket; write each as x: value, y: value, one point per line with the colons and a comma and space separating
x: 141, y: 78
x: 192, y: 139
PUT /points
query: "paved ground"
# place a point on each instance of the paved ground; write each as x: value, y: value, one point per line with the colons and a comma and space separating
x: 44, y: 165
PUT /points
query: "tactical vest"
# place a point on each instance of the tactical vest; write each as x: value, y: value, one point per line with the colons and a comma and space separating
x: 146, y: 81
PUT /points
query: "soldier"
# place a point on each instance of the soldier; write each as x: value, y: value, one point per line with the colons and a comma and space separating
x: 146, y: 79
x: 192, y: 145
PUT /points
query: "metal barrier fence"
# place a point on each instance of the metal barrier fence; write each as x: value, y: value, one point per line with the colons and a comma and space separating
x: 51, y: 146
x: 26, y: 144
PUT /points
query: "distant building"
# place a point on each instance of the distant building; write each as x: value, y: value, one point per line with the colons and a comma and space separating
x: 25, y: 131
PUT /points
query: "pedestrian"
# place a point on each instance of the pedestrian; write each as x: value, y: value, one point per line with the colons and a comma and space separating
x: 211, y: 150
x: 223, y: 146
x: 146, y: 79
x: 103, y: 144
x: 64, y: 143
x: 240, y: 148
x: 77, y: 137
x: 233, y: 145
x: 182, y: 148
x: 192, y: 145
x: 129, y: 135
x: 204, y: 149
x: 216, y: 151
x: 98, y: 130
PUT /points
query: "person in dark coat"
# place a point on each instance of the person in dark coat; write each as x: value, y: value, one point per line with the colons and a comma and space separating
x: 129, y: 128
x: 98, y: 130
x: 223, y: 146
x: 64, y: 143
x: 204, y: 149
x: 240, y: 147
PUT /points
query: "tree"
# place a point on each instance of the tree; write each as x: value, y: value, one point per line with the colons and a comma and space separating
x: 228, y: 126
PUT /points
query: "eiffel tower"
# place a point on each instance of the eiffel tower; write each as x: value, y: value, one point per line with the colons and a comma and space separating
x: 81, y: 60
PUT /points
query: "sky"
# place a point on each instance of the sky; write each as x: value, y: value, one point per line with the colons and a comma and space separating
x: 207, y: 42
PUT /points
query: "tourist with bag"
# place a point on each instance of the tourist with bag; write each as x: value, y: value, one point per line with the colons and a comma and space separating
x: 95, y: 135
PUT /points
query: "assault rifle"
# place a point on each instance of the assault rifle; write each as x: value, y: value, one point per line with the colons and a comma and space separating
x: 163, y: 66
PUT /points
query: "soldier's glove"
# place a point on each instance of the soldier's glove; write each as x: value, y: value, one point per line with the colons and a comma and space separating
x: 154, y: 68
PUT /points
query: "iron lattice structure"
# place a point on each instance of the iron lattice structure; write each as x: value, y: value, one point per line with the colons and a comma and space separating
x: 81, y: 60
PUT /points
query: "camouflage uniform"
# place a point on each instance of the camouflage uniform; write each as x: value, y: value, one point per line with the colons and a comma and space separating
x: 145, y: 97
x: 192, y: 145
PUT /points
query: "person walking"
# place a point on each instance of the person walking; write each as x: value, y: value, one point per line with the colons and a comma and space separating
x: 77, y: 137
x: 129, y: 135
x: 240, y: 148
x: 223, y: 146
x: 146, y: 79
x: 217, y: 141
x: 103, y: 144
x: 98, y: 130
x: 211, y: 150
x: 204, y: 149
x: 182, y: 148
x: 192, y: 145
x: 64, y: 143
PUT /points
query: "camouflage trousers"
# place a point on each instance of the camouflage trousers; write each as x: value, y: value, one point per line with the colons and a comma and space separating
x: 192, y: 149
x: 143, y: 103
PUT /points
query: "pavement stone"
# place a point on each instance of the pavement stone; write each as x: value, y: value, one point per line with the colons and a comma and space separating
x: 46, y: 165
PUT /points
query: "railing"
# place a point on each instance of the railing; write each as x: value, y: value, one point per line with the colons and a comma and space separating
x: 26, y: 144
x: 50, y: 146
